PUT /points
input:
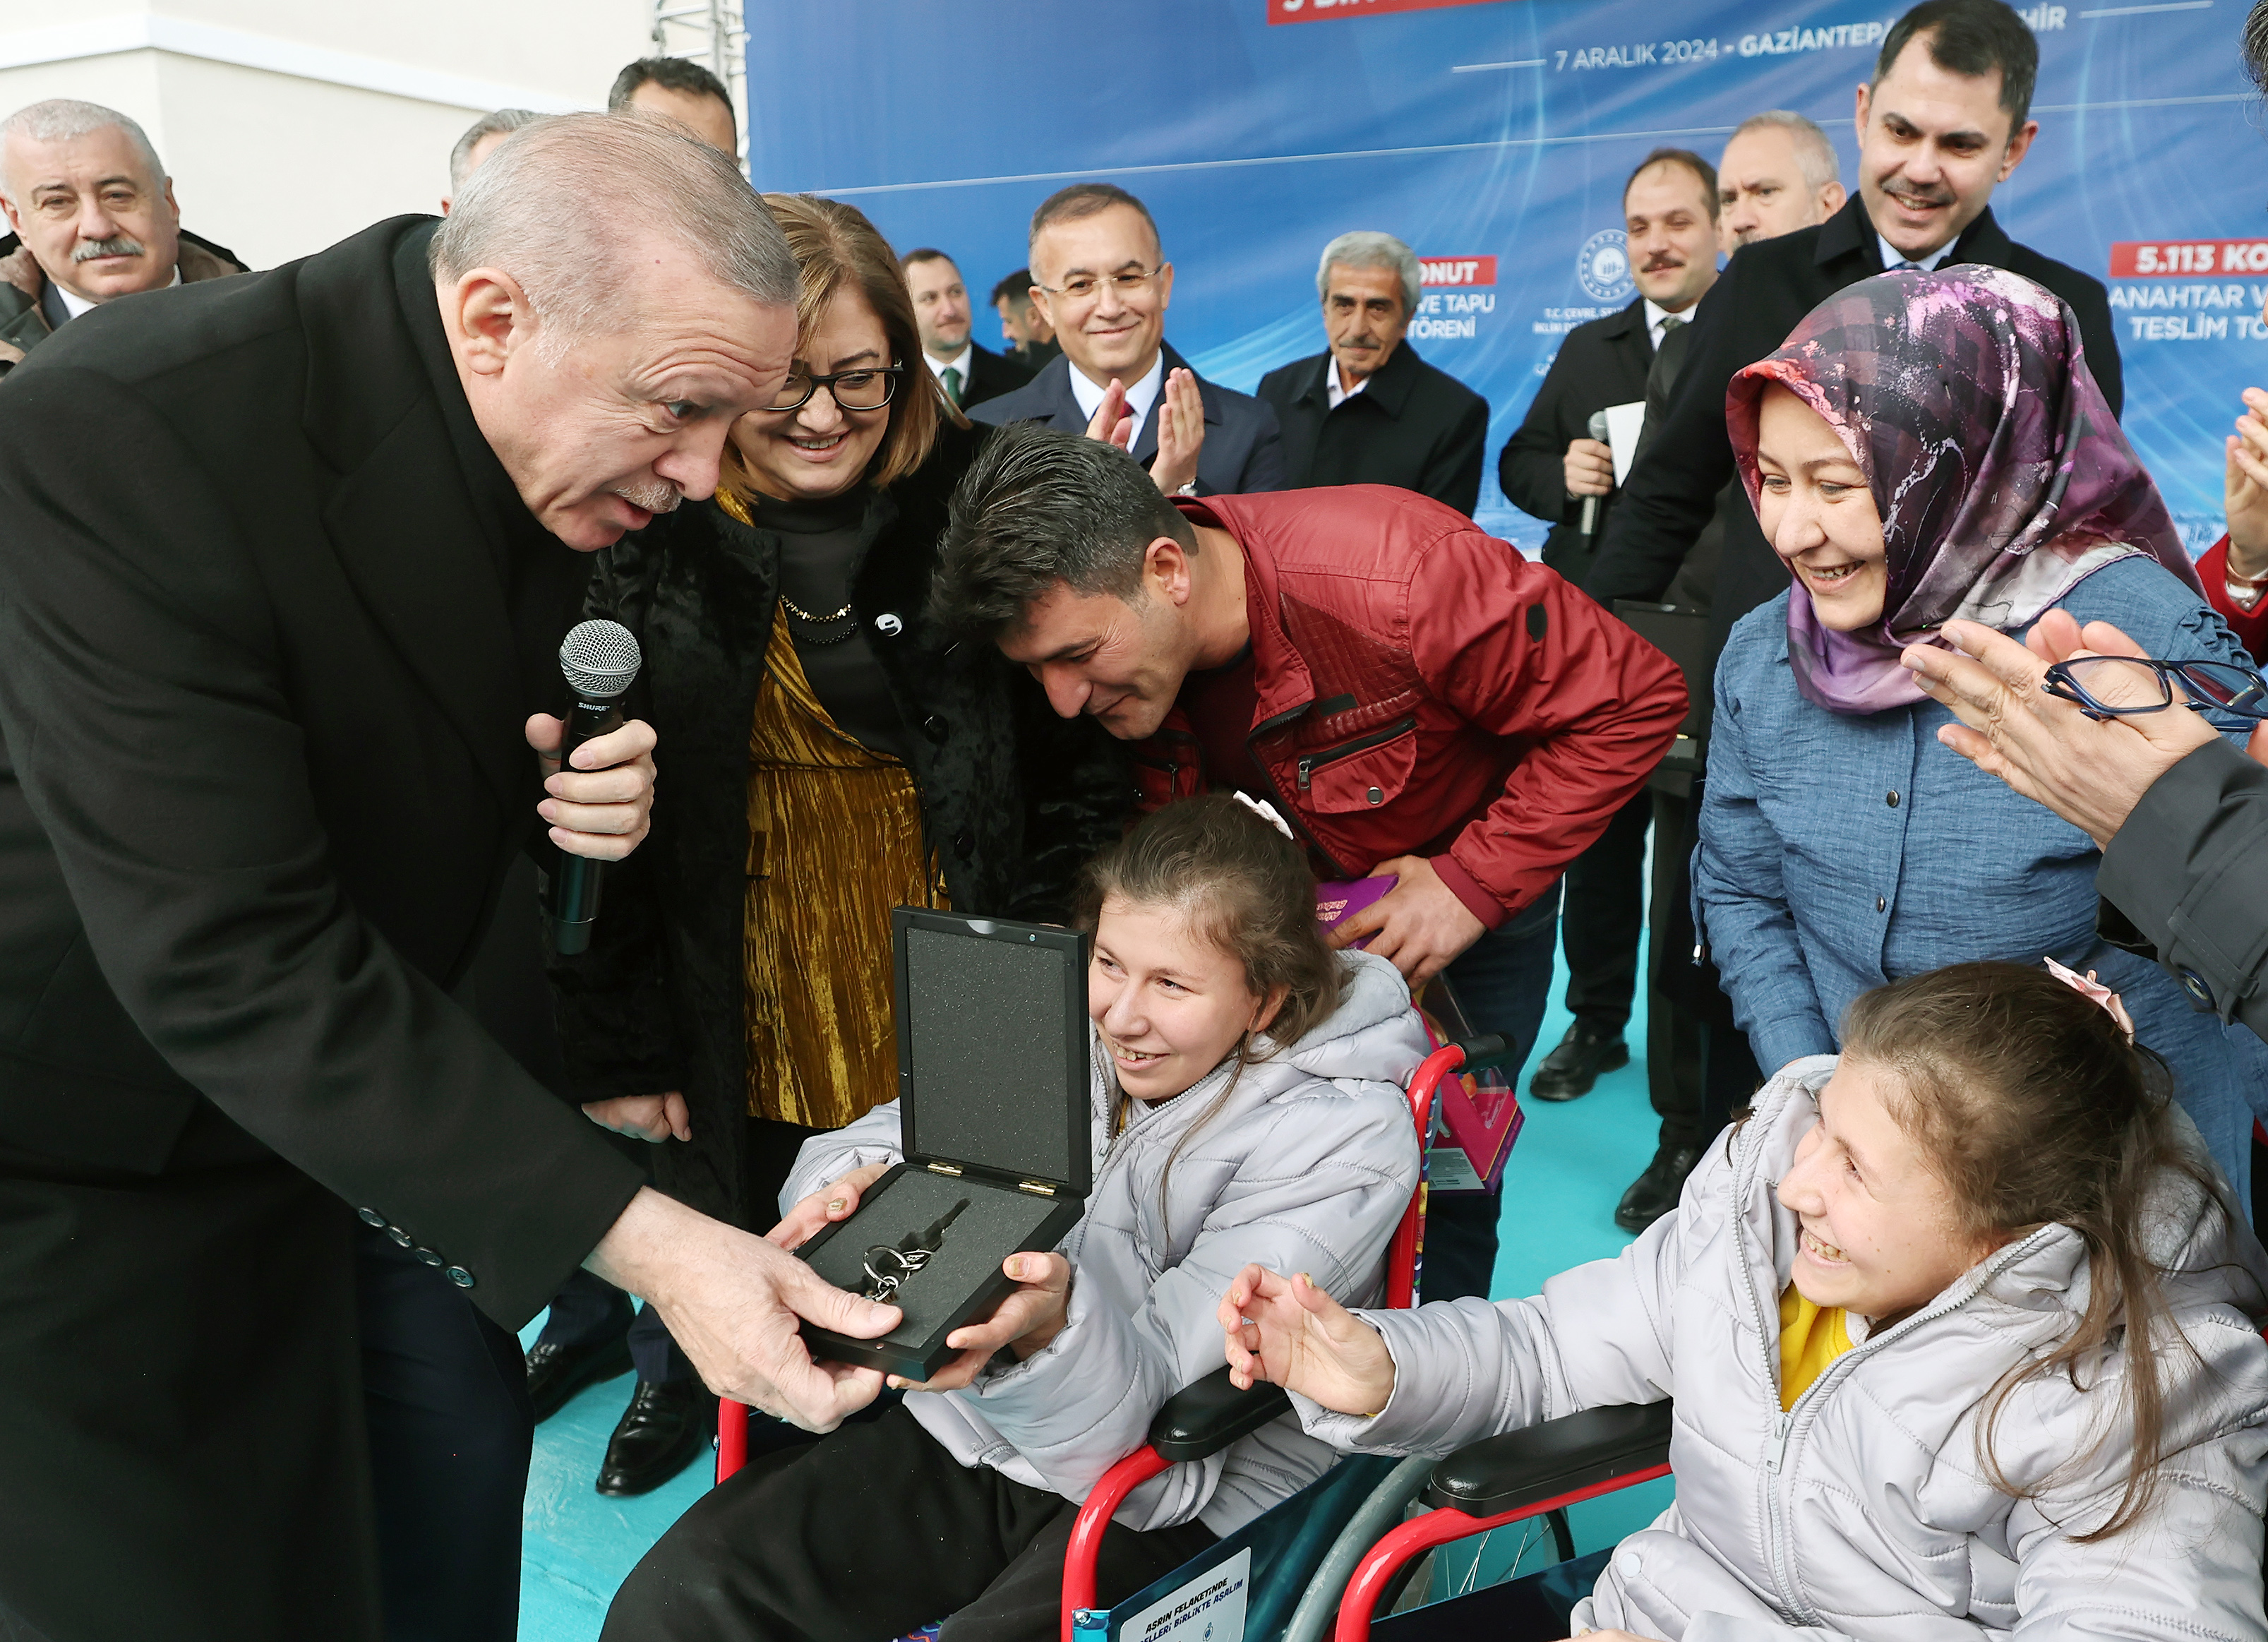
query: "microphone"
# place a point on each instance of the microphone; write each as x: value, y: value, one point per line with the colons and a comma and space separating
x: 1591, y: 503
x: 599, y: 660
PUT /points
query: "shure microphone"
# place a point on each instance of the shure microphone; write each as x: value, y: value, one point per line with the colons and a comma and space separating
x: 599, y: 660
x: 1591, y: 503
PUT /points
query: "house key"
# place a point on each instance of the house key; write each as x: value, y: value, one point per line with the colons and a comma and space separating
x: 887, y: 1268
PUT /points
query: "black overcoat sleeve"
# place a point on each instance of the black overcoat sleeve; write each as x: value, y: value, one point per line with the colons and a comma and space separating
x: 147, y: 709
x: 2186, y: 869
x: 1452, y: 468
x: 1669, y: 498
x: 1533, y: 465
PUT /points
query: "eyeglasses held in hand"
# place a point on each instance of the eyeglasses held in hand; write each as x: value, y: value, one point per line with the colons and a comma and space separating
x: 2111, y: 686
x: 1086, y: 285
x: 869, y: 387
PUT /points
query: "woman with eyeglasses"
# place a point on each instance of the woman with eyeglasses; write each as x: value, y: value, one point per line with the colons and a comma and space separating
x: 1929, y: 446
x: 832, y: 755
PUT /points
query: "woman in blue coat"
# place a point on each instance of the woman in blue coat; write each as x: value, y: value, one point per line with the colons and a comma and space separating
x: 1928, y: 446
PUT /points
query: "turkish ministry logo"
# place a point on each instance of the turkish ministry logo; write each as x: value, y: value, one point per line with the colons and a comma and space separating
x: 1603, y: 266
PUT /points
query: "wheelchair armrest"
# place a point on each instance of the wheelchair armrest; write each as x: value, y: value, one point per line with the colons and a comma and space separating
x: 1207, y: 1414
x: 1520, y: 1468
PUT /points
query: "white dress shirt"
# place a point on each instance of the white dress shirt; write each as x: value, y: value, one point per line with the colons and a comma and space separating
x: 1658, y: 318
x: 1140, y: 396
x: 960, y: 362
x: 1892, y: 257
x: 1339, y: 395
x: 75, y: 305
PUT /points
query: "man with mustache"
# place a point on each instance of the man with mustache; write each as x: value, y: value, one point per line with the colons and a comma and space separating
x: 94, y: 218
x: 286, y: 562
x: 1367, y: 410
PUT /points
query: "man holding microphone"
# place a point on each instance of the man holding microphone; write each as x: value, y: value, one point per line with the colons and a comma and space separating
x: 284, y: 566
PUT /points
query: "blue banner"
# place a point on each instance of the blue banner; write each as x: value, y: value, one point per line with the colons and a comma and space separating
x: 1494, y: 136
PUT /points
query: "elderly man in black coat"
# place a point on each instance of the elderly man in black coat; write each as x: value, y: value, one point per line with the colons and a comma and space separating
x: 284, y: 561
x: 1367, y: 410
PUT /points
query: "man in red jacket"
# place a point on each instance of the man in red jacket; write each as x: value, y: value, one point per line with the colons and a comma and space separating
x: 1414, y: 697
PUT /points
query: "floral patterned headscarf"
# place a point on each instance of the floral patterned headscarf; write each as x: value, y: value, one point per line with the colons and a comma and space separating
x: 2001, y: 478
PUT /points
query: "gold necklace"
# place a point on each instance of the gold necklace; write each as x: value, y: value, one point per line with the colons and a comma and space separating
x: 802, y: 614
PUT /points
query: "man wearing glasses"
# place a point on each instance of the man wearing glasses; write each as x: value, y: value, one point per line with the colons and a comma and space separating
x: 1101, y: 278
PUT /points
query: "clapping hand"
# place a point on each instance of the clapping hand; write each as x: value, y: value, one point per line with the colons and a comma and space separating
x: 2245, y: 488
x: 2091, y: 773
x: 1180, y: 432
x: 1180, y: 411
x: 1289, y: 1332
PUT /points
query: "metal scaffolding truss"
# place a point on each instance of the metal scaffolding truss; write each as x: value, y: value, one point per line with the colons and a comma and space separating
x: 711, y: 34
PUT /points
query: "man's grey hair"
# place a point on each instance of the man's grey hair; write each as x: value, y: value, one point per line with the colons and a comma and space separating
x: 59, y: 118
x: 502, y: 122
x: 1815, y: 152
x: 1367, y: 248
x: 561, y: 207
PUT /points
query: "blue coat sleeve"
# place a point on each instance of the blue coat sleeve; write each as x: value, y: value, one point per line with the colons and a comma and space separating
x: 1740, y: 905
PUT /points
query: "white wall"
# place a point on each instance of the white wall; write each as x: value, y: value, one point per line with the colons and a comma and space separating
x: 289, y: 124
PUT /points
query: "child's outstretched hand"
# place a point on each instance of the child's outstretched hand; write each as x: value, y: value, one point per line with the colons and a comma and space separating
x: 1287, y: 1330
x: 825, y: 1206
x: 1025, y: 1321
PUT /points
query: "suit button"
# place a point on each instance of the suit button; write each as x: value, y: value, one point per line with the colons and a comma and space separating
x: 1892, y: 799
x: 964, y: 845
x: 426, y: 1256
x: 934, y: 727
x: 1375, y: 795
x: 400, y: 1237
x: 371, y: 1217
x: 2200, y: 994
x: 459, y: 1276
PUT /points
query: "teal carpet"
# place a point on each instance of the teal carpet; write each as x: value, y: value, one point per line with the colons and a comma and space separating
x: 1570, y: 1166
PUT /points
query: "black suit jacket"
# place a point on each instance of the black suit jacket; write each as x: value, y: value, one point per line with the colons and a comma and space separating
x: 990, y: 375
x: 1243, y: 447
x: 263, y: 696
x: 1601, y: 362
x: 1412, y: 425
x: 1765, y: 292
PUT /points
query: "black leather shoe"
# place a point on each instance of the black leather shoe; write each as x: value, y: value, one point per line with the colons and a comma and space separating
x: 557, y: 1372
x: 665, y: 1426
x: 1572, y: 1067
x: 1654, y: 1193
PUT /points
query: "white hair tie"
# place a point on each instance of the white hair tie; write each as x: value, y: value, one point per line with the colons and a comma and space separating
x: 1266, y: 811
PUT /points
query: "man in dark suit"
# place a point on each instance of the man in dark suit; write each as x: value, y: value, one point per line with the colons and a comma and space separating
x: 1368, y: 410
x: 284, y: 564
x: 1554, y: 469
x: 1099, y: 271
x: 1943, y: 123
x: 968, y: 371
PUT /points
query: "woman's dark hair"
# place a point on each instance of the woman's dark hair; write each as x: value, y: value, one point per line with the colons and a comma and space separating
x: 834, y: 244
x: 2034, y: 1110
x: 1245, y: 888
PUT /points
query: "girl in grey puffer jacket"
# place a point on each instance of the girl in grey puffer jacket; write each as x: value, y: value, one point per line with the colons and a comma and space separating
x: 1960, y: 1330
x: 1249, y: 1106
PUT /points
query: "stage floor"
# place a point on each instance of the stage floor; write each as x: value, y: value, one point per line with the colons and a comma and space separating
x: 1565, y: 1175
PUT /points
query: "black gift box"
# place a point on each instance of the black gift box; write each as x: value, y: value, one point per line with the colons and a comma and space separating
x: 995, y: 1114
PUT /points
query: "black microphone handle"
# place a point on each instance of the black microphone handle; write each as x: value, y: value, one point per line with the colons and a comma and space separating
x: 575, y: 880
